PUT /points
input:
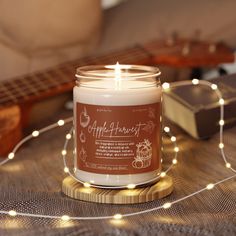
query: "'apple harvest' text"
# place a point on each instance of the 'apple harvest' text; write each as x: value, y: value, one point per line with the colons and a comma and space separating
x: 114, y: 129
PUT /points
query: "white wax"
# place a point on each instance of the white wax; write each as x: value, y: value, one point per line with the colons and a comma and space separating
x: 112, y: 93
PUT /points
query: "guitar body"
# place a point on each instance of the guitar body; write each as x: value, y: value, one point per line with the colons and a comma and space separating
x: 10, y: 128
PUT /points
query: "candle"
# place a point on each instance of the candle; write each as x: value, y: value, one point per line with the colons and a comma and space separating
x: 117, y: 117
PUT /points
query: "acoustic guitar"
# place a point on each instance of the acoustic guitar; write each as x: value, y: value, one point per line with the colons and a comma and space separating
x: 19, y: 94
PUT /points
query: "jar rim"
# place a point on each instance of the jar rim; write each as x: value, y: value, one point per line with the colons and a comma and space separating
x: 131, y: 72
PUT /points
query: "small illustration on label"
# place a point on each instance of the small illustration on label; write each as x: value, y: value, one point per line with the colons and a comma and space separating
x: 83, y: 154
x: 118, y: 140
x: 149, y: 127
x: 143, y: 155
x: 82, y: 137
x: 84, y: 118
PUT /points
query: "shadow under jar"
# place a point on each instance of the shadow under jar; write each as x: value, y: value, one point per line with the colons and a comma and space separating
x: 117, y: 119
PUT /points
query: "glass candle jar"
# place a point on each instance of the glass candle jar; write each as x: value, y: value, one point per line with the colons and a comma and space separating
x: 117, y: 119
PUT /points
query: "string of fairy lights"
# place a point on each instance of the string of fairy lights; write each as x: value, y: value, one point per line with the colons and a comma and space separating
x: 166, y: 87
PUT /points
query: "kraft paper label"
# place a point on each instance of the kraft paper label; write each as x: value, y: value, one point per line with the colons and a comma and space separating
x: 118, y: 139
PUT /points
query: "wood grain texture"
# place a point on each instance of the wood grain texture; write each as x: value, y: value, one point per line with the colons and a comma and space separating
x: 76, y: 190
x: 10, y: 128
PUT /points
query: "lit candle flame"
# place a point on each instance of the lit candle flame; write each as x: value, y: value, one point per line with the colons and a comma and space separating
x: 117, y: 76
x: 117, y: 71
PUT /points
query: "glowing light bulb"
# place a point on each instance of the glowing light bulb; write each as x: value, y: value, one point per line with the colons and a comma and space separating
x: 165, y: 86
x: 35, y: 133
x: 195, y: 81
x: 61, y: 122
x: 63, y: 152
x: 131, y: 186
x: 228, y: 165
x: 68, y: 136
x: 174, y: 161
x: 176, y: 149
x: 11, y: 155
x: 221, y: 145
x: 163, y: 174
x: 167, y: 205
x: 65, y: 218
x: 173, y: 138
x: 221, y: 122
x: 222, y: 101
x: 87, y: 185
x: 12, y: 213
x: 66, y: 169
x: 117, y: 216
x: 214, y: 86
x: 210, y: 186
x: 167, y: 129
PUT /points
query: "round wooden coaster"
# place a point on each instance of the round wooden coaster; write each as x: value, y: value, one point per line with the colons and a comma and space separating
x: 76, y: 190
